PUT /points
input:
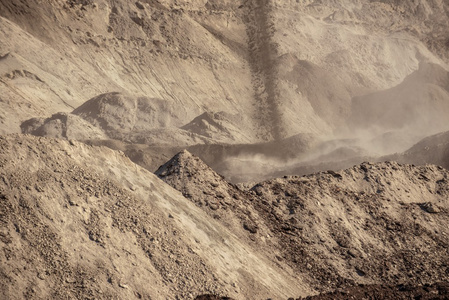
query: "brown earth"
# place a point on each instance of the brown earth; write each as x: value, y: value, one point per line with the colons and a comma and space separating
x: 425, y: 292
x: 240, y: 75
x: 286, y: 99
x: 373, y: 223
x: 241, y: 58
x: 371, y: 292
x: 85, y: 222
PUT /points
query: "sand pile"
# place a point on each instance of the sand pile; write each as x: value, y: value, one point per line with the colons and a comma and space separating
x: 257, y: 90
x: 85, y: 222
x: 137, y: 120
x: 210, y: 191
x: 373, y: 223
x: 63, y: 126
x: 378, y: 223
x: 433, y: 149
x: 221, y: 127
x: 116, y: 113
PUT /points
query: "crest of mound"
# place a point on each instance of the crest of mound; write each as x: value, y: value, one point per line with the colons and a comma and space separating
x: 110, y: 111
x: 118, y: 114
x: 209, y: 190
x: 222, y: 127
x: 197, y: 181
x: 85, y: 222
x: 433, y: 149
x: 363, y: 220
x: 62, y: 125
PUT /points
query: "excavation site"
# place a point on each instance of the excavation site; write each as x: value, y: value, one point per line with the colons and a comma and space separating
x: 218, y: 149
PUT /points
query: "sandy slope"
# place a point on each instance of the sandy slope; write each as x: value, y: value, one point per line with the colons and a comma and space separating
x: 173, y: 75
x: 118, y: 47
x: 433, y: 149
x: 86, y: 222
x: 282, y: 67
x: 257, y: 89
x: 381, y: 223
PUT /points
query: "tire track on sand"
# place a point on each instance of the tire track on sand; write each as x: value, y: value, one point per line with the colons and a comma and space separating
x: 262, y: 58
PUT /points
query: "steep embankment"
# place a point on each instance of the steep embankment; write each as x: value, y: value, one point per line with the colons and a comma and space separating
x: 57, y: 55
x: 263, y: 59
x: 239, y: 72
x: 85, y: 222
x: 210, y: 191
x: 381, y: 223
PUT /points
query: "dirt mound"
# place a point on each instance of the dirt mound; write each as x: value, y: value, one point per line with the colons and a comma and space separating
x: 195, y: 180
x: 377, y: 223
x: 209, y: 190
x: 433, y: 149
x: 129, y: 119
x: 63, y: 125
x: 373, y: 223
x: 344, y: 153
x: 86, y: 222
x: 221, y: 127
x: 248, y: 86
x: 117, y: 113
x: 133, y: 236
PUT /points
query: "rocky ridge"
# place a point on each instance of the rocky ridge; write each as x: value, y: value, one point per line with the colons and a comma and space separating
x: 377, y: 223
x: 86, y: 222
x: 210, y: 191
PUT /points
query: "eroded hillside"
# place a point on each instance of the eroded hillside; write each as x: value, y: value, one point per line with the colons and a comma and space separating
x: 85, y: 222
x: 286, y: 99
x: 378, y: 223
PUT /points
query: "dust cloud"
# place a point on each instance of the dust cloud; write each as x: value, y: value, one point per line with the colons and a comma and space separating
x: 382, y: 123
x: 354, y: 114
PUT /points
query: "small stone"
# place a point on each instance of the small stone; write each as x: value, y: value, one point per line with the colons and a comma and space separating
x: 70, y: 280
x: 250, y: 227
x: 430, y: 208
x: 41, y: 275
x: 213, y: 205
x: 352, y: 253
x: 140, y: 5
